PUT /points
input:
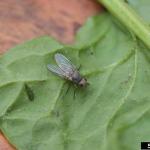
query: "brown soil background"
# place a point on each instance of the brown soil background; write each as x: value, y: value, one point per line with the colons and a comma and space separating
x: 22, y: 20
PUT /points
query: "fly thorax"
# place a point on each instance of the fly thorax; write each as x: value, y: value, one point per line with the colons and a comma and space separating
x: 76, y: 77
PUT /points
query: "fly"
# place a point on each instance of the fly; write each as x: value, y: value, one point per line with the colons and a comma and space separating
x: 66, y: 70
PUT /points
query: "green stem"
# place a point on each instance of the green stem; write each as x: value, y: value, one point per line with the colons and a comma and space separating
x: 129, y: 18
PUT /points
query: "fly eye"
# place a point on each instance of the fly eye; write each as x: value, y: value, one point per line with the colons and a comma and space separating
x: 81, y: 85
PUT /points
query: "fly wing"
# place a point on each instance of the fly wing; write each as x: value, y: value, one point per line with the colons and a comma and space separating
x: 65, y: 64
x: 56, y: 70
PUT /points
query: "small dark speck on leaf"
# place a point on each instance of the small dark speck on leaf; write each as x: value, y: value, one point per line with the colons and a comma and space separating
x: 126, y: 1
x: 124, y: 83
x: 91, y: 53
x: 29, y: 92
x: 55, y: 113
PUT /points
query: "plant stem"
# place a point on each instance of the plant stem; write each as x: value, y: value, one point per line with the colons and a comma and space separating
x: 129, y: 18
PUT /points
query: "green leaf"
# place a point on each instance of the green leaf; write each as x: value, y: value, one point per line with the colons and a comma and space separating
x: 111, y: 113
x: 128, y: 16
x: 142, y: 7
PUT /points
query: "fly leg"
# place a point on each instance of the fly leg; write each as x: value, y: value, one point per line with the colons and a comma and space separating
x: 75, y: 90
x: 66, y: 91
x: 79, y: 67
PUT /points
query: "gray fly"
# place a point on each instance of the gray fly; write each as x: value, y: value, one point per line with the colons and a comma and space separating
x: 66, y: 70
